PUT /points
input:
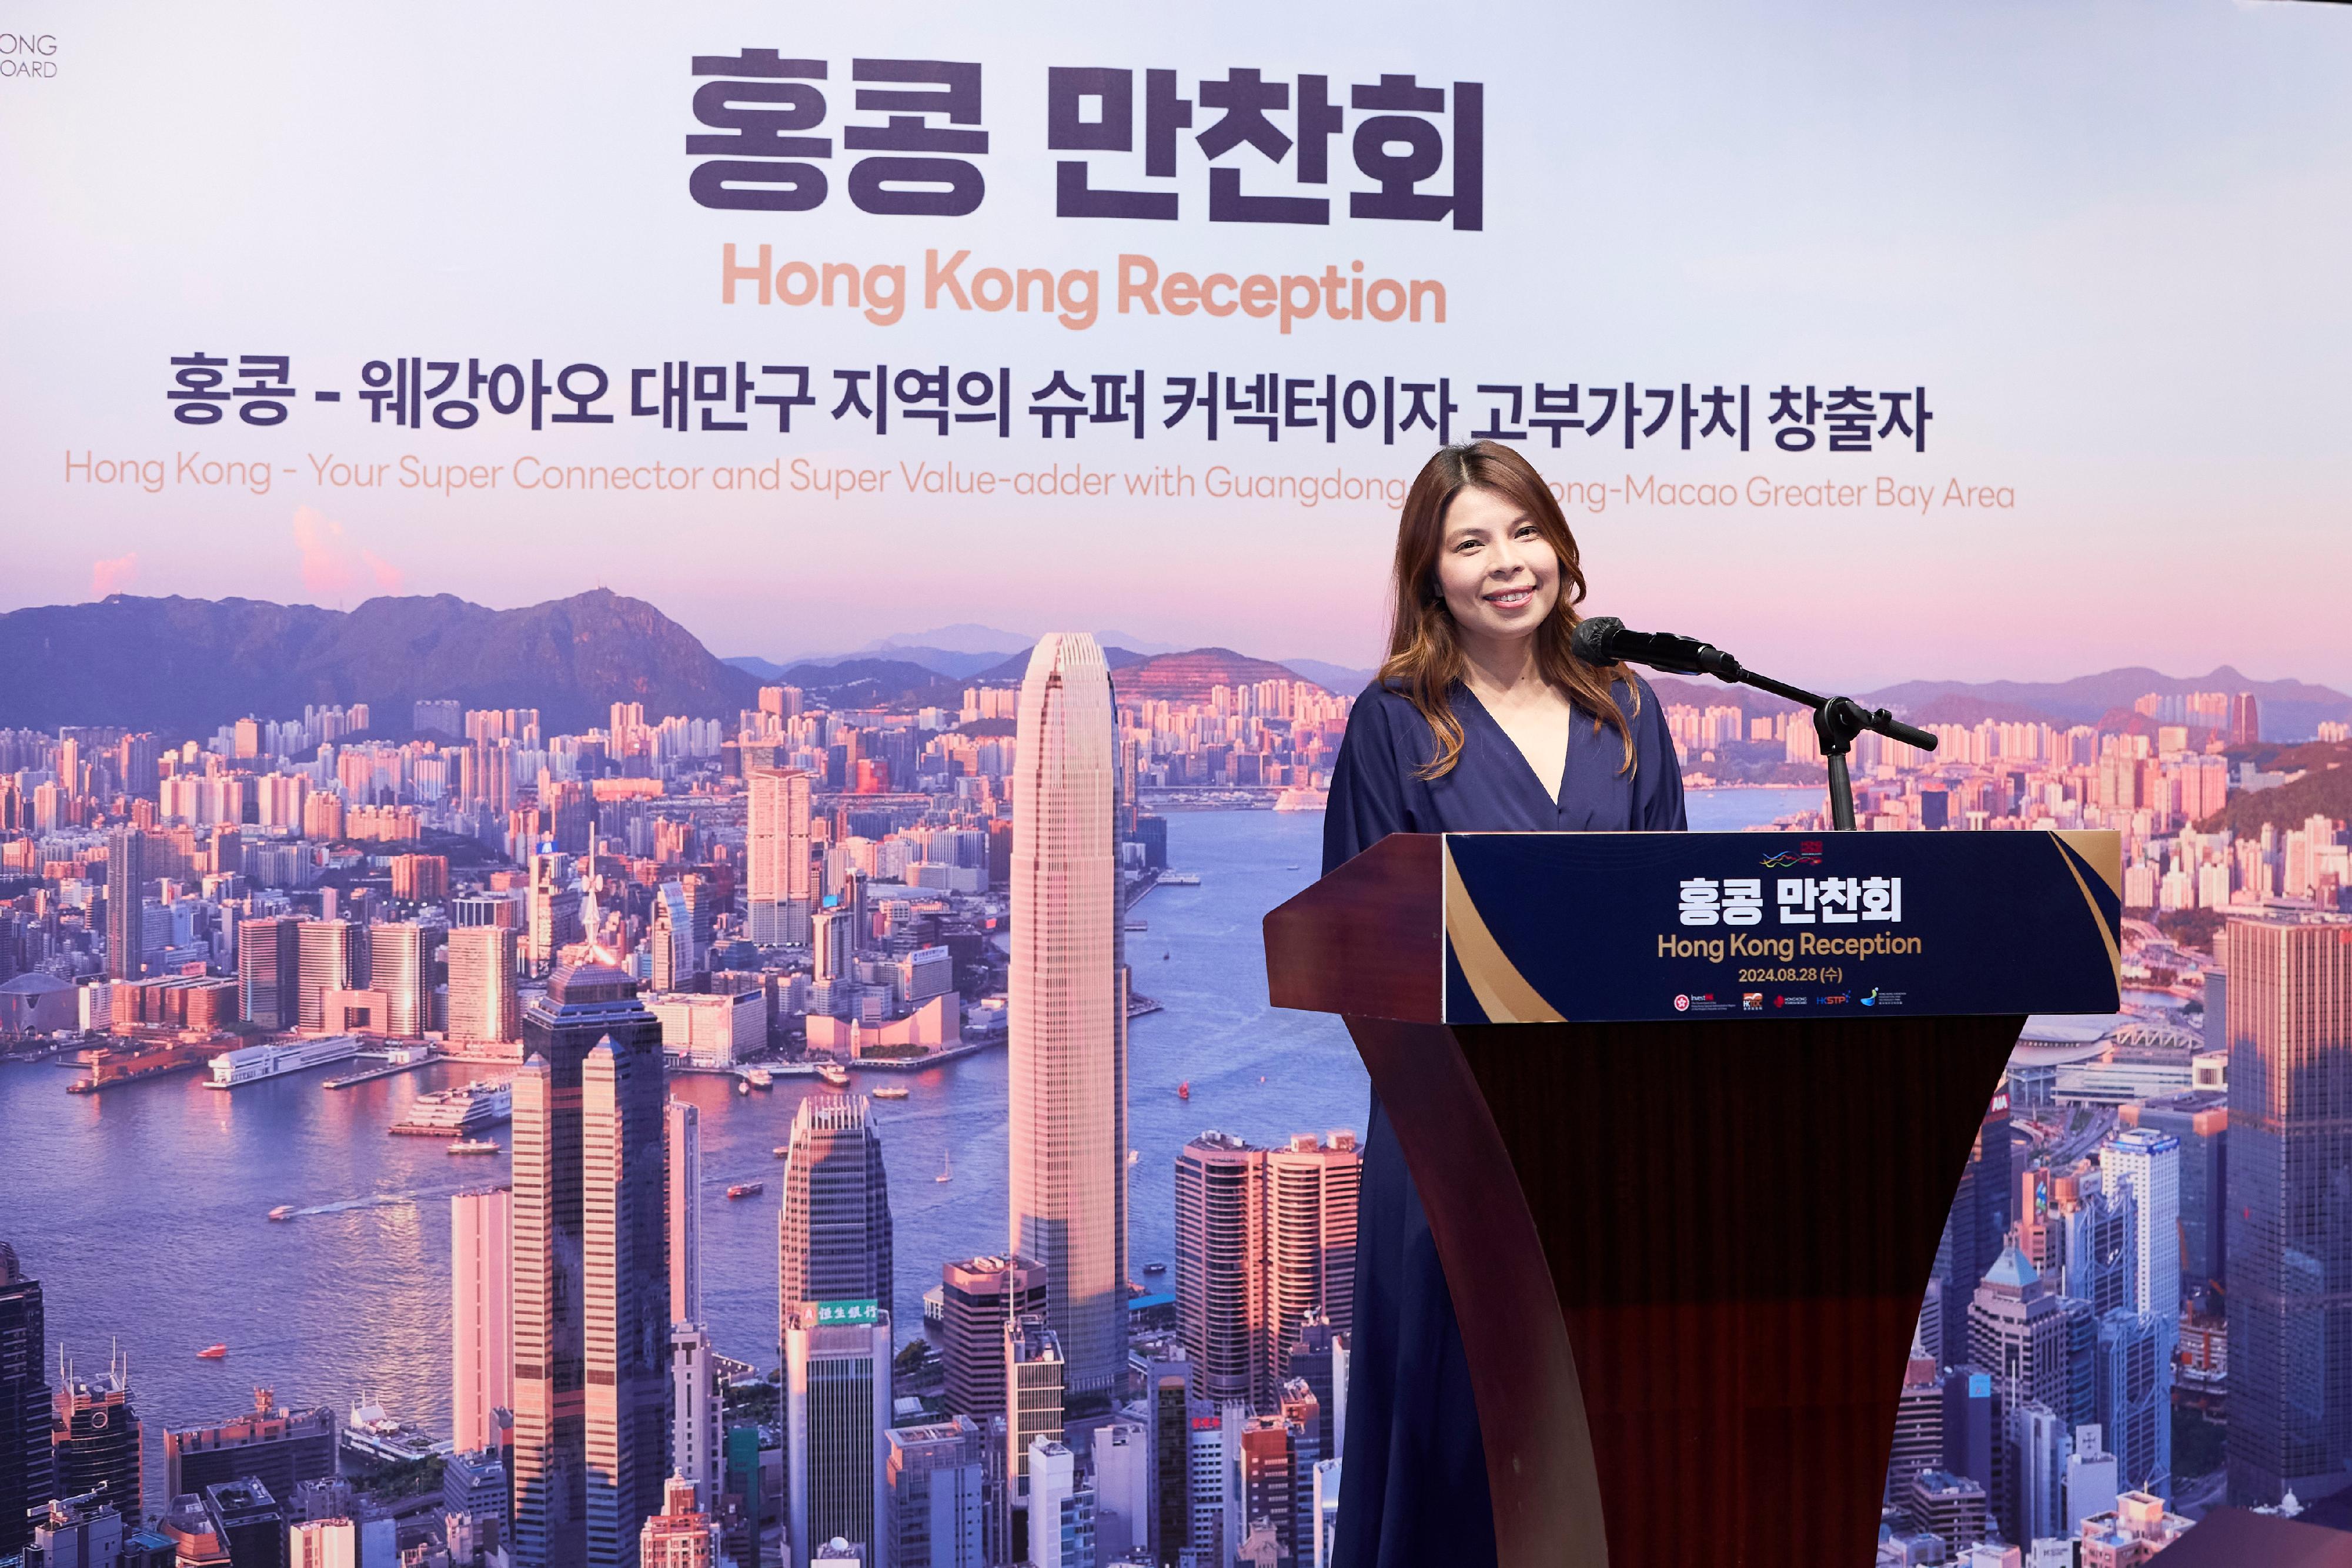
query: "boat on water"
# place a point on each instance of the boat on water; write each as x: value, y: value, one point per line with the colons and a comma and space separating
x: 1132, y: 1157
x: 283, y: 1211
x: 783, y: 1151
x: 742, y: 1087
x: 474, y: 1146
x: 1138, y: 925
x: 213, y: 1353
x: 835, y: 1074
x: 947, y: 1165
x: 1184, y: 1089
x: 457, y: 1112
x: 891, y: 1091
x: 747, y: 1189
x: 1155, y: 1268
x: 236, y: 1069
x: 1179, y: 879
x: 761, y: 1078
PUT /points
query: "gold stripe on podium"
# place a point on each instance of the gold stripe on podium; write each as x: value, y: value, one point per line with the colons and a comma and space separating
x: 2098, y: 917
x: 1494, y: 980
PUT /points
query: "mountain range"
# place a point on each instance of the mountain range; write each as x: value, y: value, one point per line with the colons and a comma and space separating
x: 186, y: 666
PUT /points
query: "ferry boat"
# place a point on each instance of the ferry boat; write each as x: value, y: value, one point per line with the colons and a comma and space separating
x: 835, y: 1074
x: 747, y: 1189
x: 283, y: 1211
x: 1138, y: 925
x: 1179, y: 879
x: 462, y: 1111
x: 761, y: 1078
x: 474, y: 1146
x: 252, y: 1063
x: 1155, y: 1268
x: 213, y: 1353
x: 783, y: 1151
x: 891, y: 1091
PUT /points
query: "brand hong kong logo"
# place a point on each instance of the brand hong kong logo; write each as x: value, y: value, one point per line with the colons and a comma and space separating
x: 1807, y: 853
x: 31, y: 57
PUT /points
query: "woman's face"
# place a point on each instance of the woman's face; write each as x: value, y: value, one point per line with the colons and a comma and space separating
x: 1496, y: 574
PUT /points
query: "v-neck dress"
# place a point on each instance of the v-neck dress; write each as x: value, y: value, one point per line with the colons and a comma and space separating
x: 1415, y: 1489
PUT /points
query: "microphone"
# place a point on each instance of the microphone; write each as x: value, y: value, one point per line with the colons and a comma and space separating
x: 1604, y: 639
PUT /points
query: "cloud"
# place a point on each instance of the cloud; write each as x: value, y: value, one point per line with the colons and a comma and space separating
x: 114, y: 575
x: 388, y: 577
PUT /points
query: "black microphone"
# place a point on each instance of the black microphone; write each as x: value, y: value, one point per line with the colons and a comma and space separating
x: 1604, y: 639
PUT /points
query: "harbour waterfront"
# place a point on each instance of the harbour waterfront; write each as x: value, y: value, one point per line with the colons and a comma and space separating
x: 144, y: 1211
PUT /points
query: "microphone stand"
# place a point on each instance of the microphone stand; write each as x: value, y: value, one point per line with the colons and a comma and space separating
x: 1836, y: 720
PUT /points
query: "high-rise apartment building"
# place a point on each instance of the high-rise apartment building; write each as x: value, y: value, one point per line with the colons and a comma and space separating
x: 481, y: 1292
x: 400, y: 966
x: 779, y: 888
x: 836, y: 1425
x: 2290, y: 1230
x: 333, y: 957
x: 1065, y: 1020
x: 24, y: 1403
x: 977, y: 1296
x: 832, y: 1228
x: 485, y: 1008
x: 1264, y: 1240
x: 933, y: 1478
x: 126, y: 884
x: 591, y: 1281
x: 269, y: 967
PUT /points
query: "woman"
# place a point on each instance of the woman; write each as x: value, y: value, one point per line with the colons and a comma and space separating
x: 1482, y: 720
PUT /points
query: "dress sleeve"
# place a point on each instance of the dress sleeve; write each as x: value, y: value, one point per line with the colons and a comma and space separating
x: 1657, y: 776
x: 1367, y: 798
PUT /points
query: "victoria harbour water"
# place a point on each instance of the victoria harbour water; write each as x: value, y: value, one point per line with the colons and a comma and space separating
x: 142, y: 1210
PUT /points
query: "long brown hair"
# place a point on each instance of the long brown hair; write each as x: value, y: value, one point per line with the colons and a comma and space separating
x: 1424, y: 652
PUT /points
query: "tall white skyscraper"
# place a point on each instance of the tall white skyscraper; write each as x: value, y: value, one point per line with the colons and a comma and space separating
x: 837, y: 1425
x: 400, y: 965
x: 1066, y: 1034
x: 481, y: 1279
x: 695, y: 1430
x: 2147, y: 1164
x: 778, y: 887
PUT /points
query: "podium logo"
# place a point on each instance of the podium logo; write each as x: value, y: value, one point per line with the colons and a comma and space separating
x: 1751, y: 1001
x: 1807, y: 853
x: 1682, y: 1003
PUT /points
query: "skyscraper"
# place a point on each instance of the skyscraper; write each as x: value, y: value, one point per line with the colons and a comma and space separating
x: 1037, y: 1400
x: 1264, y: 1240
x: 836, y: 1425
x: 1061, y: 1512
x: 400, y: 965
x: 832, y: 1228
x: 1063, y: 1018
x: 682, y: 1130
x: 778, y: 887
x: 697, y: 1414
x: 932, y: 1477
x: 484, y: 1007
x: 2199, y: 1118
x: 590, y: 1286
x: 1978, y: 1224
x: 682, y: 1534
x: 2290, y: 1230
x: 481, y: 1288
x: 94, y: 1436
x: 2145, y: 1165
x: 977, y: 1296
x: 552, y: 907
x: 126, y: 882
x: 24, y: 1403
x: 332, y: 958
x: 280, y: 1449
x: 2017, y: 1329
x: 269, y: 965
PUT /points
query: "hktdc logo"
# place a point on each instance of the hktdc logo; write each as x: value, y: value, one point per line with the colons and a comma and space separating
x: 29, y: 55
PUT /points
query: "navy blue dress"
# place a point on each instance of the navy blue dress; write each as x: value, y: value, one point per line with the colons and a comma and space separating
x: 1415, y: 1488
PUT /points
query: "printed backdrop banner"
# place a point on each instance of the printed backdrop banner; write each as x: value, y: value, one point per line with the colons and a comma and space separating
x: 1879, y: 340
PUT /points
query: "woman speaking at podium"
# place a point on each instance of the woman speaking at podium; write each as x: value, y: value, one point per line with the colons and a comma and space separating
x: 1482, y: 720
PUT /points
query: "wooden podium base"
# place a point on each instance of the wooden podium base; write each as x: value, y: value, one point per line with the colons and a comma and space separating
x: 1687, y: 1260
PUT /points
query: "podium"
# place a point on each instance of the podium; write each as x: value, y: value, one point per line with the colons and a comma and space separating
x: 1686, y: 1112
